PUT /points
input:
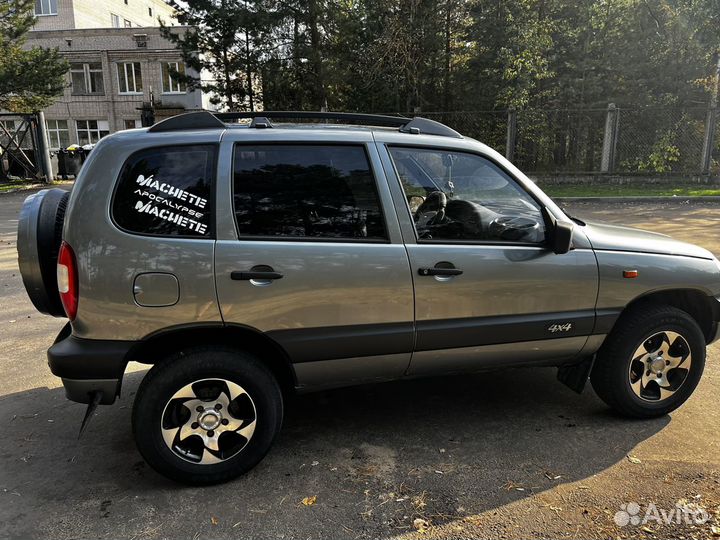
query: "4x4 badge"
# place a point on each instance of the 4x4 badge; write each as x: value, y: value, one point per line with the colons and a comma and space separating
x: 566, y: 327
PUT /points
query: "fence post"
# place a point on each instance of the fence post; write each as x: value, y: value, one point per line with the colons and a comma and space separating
x: 711, y: 123
x: 511, y: 134
x: 610, y: 140
x: 709, y: 142
x: 43, y: 152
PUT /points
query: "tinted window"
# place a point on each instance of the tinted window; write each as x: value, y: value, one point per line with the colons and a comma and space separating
x: 459, y: 196
x: 167, y: 191
x: 313, y: 191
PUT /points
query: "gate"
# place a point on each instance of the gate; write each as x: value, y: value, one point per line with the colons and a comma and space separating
x: 21, y: 147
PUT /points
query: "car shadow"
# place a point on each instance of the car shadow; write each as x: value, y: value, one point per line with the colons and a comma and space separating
x: 428, y: 446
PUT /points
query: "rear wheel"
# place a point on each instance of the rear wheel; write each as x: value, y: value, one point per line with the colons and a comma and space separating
x: 206, y: 415
x: 651, y: 363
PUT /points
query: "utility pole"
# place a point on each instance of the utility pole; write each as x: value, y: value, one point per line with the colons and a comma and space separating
x: 42, y: 155
x: 711, y: 122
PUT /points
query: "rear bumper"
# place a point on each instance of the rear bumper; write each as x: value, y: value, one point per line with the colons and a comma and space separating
x: 87, y: 366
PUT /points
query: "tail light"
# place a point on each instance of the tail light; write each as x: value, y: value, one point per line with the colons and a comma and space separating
x: 67, y: 279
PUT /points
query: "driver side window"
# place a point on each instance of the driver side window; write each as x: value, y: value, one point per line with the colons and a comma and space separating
x: 461, y: 196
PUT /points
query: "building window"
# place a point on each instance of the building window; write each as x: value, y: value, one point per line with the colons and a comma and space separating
x: 114, y: 20
x: 150, y: 11
x: 87, y: 78
x: 8, y: 129
x: 45, y: 7
x: 8, y: 125
x: 91, y: 131
x: 130, y: 78
x: 170, y: 82
x: 128, y: 24
x: 131, y: 124
x: 58, y: 134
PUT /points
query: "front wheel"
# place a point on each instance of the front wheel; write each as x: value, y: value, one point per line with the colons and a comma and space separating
x: 651, y: 363
x: 206, y: 415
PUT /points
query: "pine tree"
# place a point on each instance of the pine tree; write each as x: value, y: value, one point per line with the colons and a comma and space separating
x: 224, y: 40
x: 30, y: 78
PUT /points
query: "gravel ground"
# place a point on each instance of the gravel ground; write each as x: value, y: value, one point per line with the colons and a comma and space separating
x: 512, y: 454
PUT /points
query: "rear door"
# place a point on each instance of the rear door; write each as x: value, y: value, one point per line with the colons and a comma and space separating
x: 488, y: 291
x: 313, y: 257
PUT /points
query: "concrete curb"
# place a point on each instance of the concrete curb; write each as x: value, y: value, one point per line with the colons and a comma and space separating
x: 641, y: 199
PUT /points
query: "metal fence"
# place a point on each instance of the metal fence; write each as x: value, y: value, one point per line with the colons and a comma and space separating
x: 23, y: 148
x: 647, y: 141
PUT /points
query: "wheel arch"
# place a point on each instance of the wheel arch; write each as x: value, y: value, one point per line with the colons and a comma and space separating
x: 240, y: 337
x: 703, y: 308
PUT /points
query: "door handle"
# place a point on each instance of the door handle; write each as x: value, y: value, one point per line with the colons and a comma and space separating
x: 439, y: 271
x: 254, y: 274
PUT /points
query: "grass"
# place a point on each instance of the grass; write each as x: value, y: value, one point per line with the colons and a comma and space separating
x: 616, y: 190
x: 9, y: 186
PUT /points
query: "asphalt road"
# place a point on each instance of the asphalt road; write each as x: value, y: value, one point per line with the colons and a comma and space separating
x: 512, y: 454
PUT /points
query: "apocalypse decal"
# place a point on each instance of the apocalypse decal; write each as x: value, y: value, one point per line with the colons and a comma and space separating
x: 171, y: 204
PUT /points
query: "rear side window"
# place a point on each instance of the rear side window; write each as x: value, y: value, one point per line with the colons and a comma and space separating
x: 306, y: 191
x: 167, y: 191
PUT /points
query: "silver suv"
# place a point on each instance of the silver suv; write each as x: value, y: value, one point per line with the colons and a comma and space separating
x: 246, y: 262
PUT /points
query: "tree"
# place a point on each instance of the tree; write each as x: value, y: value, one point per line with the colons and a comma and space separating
x: 30, y: 79
x: 224, y: 40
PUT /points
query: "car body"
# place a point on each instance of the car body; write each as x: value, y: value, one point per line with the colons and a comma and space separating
x: 397, y: 285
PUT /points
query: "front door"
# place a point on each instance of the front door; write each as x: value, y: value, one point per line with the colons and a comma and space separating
x: 487, y: 290
x: 316, y: 260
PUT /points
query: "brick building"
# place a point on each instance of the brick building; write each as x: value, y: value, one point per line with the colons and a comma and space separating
x: 75, y: 14
x: 119, y: 62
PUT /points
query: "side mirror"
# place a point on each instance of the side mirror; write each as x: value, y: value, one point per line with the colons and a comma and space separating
x: 559, y: 233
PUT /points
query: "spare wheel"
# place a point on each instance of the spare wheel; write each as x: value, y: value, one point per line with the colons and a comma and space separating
x: 40, y: 229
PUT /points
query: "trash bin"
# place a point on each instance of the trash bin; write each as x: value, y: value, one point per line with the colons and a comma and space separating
x: 84, y: 151
x: 69, y: 162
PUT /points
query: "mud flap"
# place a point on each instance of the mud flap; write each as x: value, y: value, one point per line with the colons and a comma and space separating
x: 575, y: 376
x: 92, y: 405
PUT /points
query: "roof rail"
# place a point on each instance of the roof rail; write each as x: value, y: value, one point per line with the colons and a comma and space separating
x: 372, y: 119
x: 187, y: 121
x: 262, y: 119
x: 429, y: 127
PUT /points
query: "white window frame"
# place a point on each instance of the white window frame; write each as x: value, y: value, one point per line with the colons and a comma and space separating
x: 127, y: 24
x: 115, y: 20
x: 94, y: 134
x: 47, y: 8
x: 169, y: 85
x: 124, y: 67
x: 54, y: 132
x: 87, y: 70
x: 11, y: 126
x: 137, y: 123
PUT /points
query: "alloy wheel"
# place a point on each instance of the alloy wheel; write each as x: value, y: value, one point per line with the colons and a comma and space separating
x: 208, y: 421
x: 660, y: 366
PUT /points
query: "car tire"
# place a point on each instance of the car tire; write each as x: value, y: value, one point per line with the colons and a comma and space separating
x: 628, y: 373
x: 206, y: 415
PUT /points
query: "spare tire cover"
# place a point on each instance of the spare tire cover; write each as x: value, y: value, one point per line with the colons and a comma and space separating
x: 39, y: 236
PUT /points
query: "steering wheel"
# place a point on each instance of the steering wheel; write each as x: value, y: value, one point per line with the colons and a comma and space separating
x: 515, y: 229
x: 436, y: 201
